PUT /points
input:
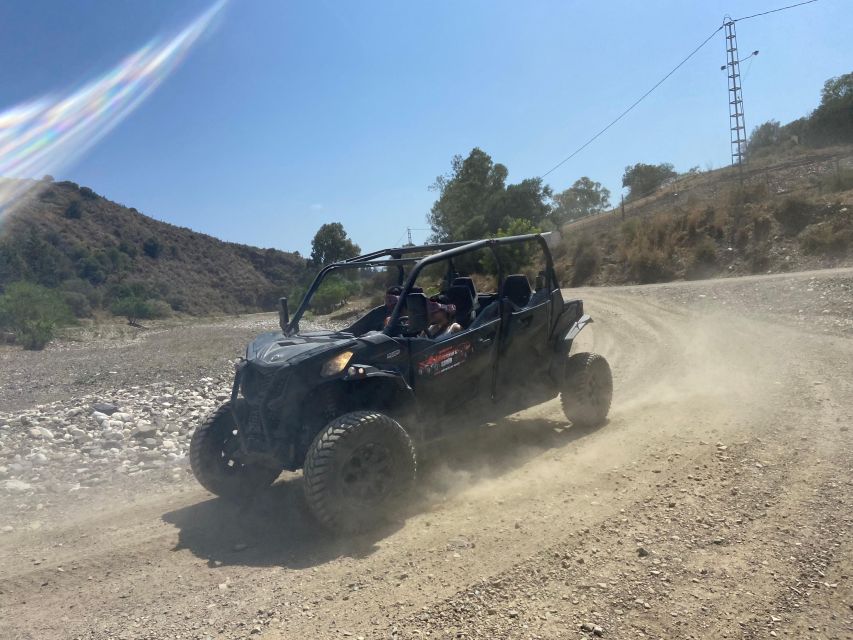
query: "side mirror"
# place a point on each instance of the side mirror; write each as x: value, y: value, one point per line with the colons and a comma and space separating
x: 283, y: 314
x: 416, y: 305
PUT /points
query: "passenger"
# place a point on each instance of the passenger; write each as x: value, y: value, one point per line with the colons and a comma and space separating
x: 441, y: 315
x: 392, y: 295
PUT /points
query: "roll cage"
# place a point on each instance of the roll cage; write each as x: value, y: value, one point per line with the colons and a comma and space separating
x: 402, y: 256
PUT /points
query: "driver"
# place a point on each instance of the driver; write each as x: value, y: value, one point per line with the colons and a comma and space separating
x: 441, y: 317
x: 392, y: 295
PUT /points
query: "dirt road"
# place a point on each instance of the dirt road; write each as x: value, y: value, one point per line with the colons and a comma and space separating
x: 716, y: 503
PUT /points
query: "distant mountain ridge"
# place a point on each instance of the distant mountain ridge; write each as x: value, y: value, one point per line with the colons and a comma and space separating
x: 71, y: 239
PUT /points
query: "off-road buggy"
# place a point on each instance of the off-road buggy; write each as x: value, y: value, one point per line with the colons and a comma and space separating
x: 352, y: 407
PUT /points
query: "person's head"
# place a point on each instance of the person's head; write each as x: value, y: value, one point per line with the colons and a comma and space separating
x: 441, y: 311
x: 392, y: 295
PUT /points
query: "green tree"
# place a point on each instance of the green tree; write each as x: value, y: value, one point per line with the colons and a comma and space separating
x: 765, y: 136
x: 832, y: 121
x: 584, y: 198
x: 474, y: 200
x: 643, y: 179
x: 331, y: 244
x: 32, y: 313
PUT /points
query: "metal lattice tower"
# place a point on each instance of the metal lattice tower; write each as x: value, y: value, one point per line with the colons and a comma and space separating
x: 737, y: 124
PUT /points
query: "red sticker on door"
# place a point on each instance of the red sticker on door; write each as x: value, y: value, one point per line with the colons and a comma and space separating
x: 445, y: 359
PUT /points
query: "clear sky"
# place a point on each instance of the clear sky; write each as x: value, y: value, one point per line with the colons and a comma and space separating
x: 287, y: 115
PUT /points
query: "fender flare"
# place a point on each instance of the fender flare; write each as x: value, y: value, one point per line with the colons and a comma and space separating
x: 563, y: 347
x: 576, y: 328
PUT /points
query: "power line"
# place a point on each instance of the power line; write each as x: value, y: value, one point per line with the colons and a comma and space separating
x: 631, y: 108
x: 790, y: 6
x: 661, y: 81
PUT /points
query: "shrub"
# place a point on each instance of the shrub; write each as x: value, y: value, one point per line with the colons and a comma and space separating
x: 761, y: 228
x: 585, y: 261
x: 87, y: 193
x: 794, y: 214
x: 152, y: 247
x: 74, y: 211
x: 77, y: 303
x: 839, y: 180
x: 747, y: 193
x: 135, y: 308
x: 827, y: 238
x: 703, y: 260
x: 648, y: 265
x: 32, y: 313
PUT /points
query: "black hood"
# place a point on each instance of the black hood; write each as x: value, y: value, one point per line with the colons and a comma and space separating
x: 275, y: 349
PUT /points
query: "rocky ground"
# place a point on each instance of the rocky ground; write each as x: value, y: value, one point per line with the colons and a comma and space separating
x: 716, y: 502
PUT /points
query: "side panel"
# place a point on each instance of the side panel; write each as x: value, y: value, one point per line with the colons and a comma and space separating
x: 448, y: 374
x: 524, y: 344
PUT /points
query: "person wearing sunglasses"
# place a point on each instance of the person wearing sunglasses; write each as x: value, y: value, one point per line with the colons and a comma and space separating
x: 441, y: 317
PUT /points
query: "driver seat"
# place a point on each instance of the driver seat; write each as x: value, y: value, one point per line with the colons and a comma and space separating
x: 460, y: 297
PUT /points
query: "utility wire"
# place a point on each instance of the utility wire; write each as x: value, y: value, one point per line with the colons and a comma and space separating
x: 790, y: 6
x: 660, y: 82
x: 631, y: 108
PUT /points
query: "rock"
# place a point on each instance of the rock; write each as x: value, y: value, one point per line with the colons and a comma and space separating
x: 144, y: 431
x: 8, y: 529
x: 587, y: 626
x: 597, y: 631
x: 41, y: 432
x: 460, y: 543
x: 641, y: 551
x: 16, y: 486
x: 105, y: 407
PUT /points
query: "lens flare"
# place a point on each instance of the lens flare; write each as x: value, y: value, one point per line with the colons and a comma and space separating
x: 45, y: 135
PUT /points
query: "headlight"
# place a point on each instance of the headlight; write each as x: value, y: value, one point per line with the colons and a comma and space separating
x: 334, y: 366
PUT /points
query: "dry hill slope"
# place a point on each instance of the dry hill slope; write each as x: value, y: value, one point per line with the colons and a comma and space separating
x: 70, y: 238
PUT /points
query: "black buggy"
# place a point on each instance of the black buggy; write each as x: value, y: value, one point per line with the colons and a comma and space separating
x: 351, y: 407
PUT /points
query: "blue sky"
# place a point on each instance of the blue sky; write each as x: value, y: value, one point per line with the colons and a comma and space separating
x: 287, y: 115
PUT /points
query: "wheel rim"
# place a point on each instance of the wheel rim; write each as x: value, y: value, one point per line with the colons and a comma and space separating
x: 230, y: 445
x: 368, y: 474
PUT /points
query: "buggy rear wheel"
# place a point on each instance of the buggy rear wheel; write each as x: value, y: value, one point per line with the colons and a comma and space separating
x: 357, y: 470
x: 212, y: 458
x: 587, y: 390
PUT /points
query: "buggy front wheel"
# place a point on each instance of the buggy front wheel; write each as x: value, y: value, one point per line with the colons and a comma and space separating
x: 357, y: 470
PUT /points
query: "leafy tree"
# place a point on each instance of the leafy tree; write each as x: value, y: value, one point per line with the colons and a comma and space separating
x: 643, y: 179
x: 832, y: 121
x: 583, y: 198
x: 32, y: 313
x: 474, y: 200
x: 764, y: 136
x: 331, y: 244
x: 514, y: 257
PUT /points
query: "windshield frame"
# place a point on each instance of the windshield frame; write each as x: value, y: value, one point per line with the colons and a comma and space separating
x: 394, y: 257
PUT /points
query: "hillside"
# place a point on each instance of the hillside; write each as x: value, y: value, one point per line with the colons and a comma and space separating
x: 790, y: 212
x: 96, y: 251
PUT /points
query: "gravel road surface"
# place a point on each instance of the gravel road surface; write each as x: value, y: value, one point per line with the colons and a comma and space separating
x: 716, y: 503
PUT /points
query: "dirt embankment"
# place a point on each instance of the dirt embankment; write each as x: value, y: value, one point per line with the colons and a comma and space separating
x: 782, y: 215
x: 715, y: 503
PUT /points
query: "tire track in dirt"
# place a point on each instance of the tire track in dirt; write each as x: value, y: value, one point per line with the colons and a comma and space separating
x: 507, y: 510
